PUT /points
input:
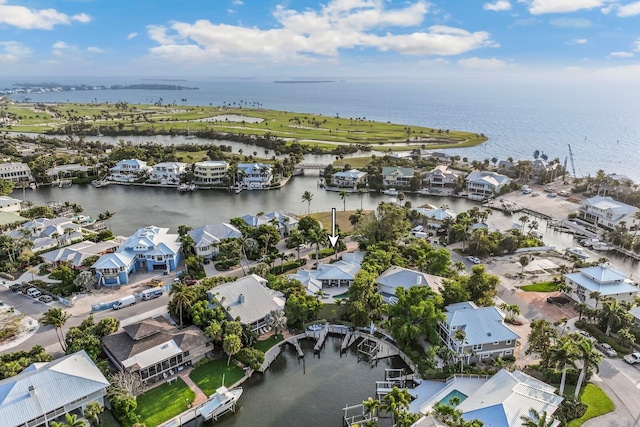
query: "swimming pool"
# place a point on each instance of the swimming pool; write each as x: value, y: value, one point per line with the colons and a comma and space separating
x: 454, y: 393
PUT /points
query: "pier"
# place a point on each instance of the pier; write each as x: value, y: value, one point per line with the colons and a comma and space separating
x: 296, y: 344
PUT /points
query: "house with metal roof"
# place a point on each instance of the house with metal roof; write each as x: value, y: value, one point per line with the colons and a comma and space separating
x: 46, y: 233
x: 338, y: 274
x: 399, y: 277
x: 9, y: 204
x: 210, y: 172
x: 604, y: 279
x: 434, y: 218
x: 129, y: 170
x: 349, y: 179
x: 167, y: 173
x: 150, y: 248
x: 486, y: 336
x: 248, y: 299
x: 155, y: 348
x: 483, y: 184
x: 441, y: 177
x: 499, y: 401
x: 284, y: 223
x: 207, y: 237
x: 254, y: 176
x: 45, y: 392
x: 16, y: 172
x: 396, y: 176
x: 77, y: 253
x: 604, y: 212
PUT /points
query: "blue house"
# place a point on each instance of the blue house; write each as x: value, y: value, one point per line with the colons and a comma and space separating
x: 148, y: 249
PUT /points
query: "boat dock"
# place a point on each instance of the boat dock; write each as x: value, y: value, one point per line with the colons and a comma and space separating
x: 321, y: 336
x: 296, y: 344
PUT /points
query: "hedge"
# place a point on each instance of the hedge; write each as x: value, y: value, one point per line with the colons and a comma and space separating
x: 600, y: 336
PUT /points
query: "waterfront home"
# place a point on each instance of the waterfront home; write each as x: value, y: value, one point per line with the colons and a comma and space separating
x: 167, y: 173
x: 501, y: 225
x: 483, y: 184
x: 45, y: 392
x: 399, y: 277
x: 76, y: 254
x: 210, y: 172
x: 155, y: 349
x: 48, y: 233
x: 248, y: 299
x: 150, y: 248
x: 207, y: 238
x: 434, y: 217
x: 604, y: 212
x: 338, y: 274
x: 505, y: 165
x: 16, y: 172
x: 284, y: 223
x: 74, y: 169
x: 10, y: 220
x: 499, y: 401
x: 254, y: 176
x: 9, y: 204
x: 395, y: 176
x: 349, y: 179
x: 440, y: 179
x: 486, y: 335
x: 604, y: 279
x: 129, y: 170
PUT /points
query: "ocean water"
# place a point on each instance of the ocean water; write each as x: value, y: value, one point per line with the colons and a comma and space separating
x: 602, y: 124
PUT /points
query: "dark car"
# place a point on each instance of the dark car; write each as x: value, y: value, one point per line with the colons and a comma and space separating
x: 16, y: 287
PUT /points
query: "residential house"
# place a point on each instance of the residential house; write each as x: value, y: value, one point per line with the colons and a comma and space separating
x: 210, y: 172
x: 501, y: 225
x: 604, y: 279
x: 248, y: 299
x: 395, y: 176
x: 9, y: 204
x: 16, y: 172
x: 129, y: 170
x: 167, y: 173
x: 434, y: 218
x: 483, y: 184
x: 77, y: 253
x: 207, y: 237
x: 45, y: 392
x: 283, y: 223
x: 349, y: 179
x: 254, y: 176
x: 150, y: 248
x: 338, y: 274
x: 635, y: 312
x: 10, y: 220
x: 440, y: 179
x: 505, y: 165
x: 399, y: 277
x: 486, y: 336
x: 499, y: 401
x: 155, y: 349
x: 606, y: 213
x: 48, y: 233
x: 70, y: 170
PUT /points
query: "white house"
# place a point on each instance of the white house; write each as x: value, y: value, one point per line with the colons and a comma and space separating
x: 48, y: 233
x: 441, y: 178
x: 210, y: 172
x: 15, y: 172
x: 77, y: 253
x: 167, y: 172
x: 207, y: 237
x: 434, y: 217
x: 337, y: 274
x: 283, y: 223
x: 349, y: 179
x: 254, y: 176
x: 45, y: 392
x: 399, y: 277
x: 129, y: 170
x: 395, y: 176
x: 248, y: 299
x: 482, y: 184
x: 9, y: 204
x: 606, y: 280
x: 605, y: 212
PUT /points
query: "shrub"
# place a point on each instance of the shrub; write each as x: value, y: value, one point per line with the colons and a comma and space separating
x: 600, y: 336
x: 6, y: 276
x: 250, y: 357
x: 279, y: 269
x: 325, y: 253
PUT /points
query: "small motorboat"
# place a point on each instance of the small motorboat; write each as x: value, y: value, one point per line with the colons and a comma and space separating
x: 219, y: 403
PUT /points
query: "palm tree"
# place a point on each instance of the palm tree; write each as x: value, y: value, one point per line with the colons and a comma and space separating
x: 371, y: 406
x: 106, y: 216
x: 395, y: 401
x: 361, y: 193
x: 183, y: 297
x: 460, y: 335
x: 565, y: 356
x: 537, y: 419
x: 590, y: 360
x: 317, y: 237
x: 596, y: 296
x: 57, y: 318
x: 231, y: 345
x: 343, y: 195
x: 613, y: 314
x: 307, y: 196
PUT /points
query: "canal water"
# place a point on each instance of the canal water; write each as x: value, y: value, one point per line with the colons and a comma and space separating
x: 310, y: 392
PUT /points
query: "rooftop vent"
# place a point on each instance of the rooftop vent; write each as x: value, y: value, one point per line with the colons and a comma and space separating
x: 240, y: 298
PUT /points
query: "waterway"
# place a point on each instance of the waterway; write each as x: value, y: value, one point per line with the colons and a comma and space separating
x: 309, y: 392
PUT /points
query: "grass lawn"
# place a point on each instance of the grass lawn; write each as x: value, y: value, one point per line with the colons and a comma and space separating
x: 540, y: 287
x: 164, y: 402
x: 355, y: 162
x: 264, y: 345
x: 107, y: 419
x: 598, y: 402
x: 331, y: 311
x: 342, y: 217
x: 209, y: 376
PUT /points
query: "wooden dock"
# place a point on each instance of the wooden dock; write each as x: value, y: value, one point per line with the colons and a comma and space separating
x: 347, y: 341
x: 296, y: 344
x: 322, y: 336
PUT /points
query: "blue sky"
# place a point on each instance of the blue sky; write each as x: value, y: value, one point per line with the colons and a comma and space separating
x: 333, y: 38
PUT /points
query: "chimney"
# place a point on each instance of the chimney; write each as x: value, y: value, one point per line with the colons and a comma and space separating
x: 319, y: 265
x: 32, y: 391
x: 240, y: 299
x: 419, y: 281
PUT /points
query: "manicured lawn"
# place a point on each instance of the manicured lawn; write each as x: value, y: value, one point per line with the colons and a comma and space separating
x: 598, y: 402
x: 209, y: 376
x: 540, y: 287
x: 107, y: 419
x: 342, y: 217
x: 355, y: 162
x: 331, y: 311
x: 264, y: 345
x: 164, y: 402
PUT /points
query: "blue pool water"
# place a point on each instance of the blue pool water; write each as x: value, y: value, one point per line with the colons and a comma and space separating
x: 455, y: 393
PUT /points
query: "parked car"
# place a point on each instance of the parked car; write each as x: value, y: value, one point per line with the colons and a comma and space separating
x: 632, y: 358
x: 46, y: 298
x: 535, y: 194
x: 16, y: 287
x: 474, y: 259
x: 33, y: 292
x: 564, y: 193
x: 302, y: 246
x: 606, y: 349
x: 551, y: 195
x: 585, y: 334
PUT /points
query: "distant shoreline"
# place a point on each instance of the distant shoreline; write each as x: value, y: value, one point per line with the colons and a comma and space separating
x: 305, y: 81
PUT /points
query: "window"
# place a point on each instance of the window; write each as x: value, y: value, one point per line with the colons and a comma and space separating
x: 496, y: 343
x: 508, y: 352
x: 477, y: 347
x: 485, y: 356
x: 508, y: 342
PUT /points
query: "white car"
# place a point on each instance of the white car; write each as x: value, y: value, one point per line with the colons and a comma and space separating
x: 474, y: 259
x: 302, y: 246
x: 632, y: 358
x: 606, y: 349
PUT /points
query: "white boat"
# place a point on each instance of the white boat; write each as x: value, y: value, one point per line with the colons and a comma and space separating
x: 577, y: 252
x: 99, y: 184
x: 602, y: 246
x: 187, y: 187
x: 219, y: 403
x: 390, y: 192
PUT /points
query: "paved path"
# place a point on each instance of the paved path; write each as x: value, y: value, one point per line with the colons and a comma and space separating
x: 200, y: 396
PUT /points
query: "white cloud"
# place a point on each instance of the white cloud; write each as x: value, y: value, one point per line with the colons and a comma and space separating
x: 636, y: 45
x: 482, y: 63
x: 570, y: 23
x: 538, y: 7
x: 631, y: 9
x: 237, y: 2
x: 94, y: 49
x: 310, y: 35
x: 621, y: 55
x: 578, y: 41
x: 39, y: 19
x: 12, y: 51
x: 132, y: 35
x: 497, y: 6
x: 60, y: 45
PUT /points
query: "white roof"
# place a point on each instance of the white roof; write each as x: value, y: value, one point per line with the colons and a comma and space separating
x: 216, y: 163
x: 55, y: 385
x: 8, y: 201
x: 438, y: 214
x: 483, y: 325
x: 492, y: 178
x: 170, y: 165
x: 608, y: 204
x: 396, y: 277
x: 603, y: 279
x: 352, y: 173
x: 213, y: 233
x: 153, y: 355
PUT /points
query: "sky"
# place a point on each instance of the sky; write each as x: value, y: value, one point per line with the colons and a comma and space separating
x: 334, y: 38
